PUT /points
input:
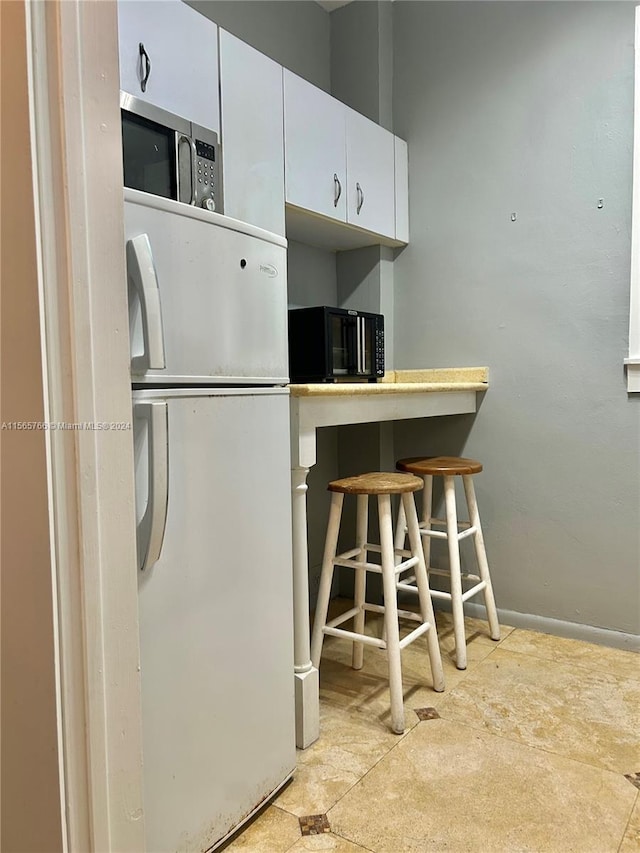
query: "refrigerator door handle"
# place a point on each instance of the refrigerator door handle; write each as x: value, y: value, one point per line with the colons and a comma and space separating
x: 142, y: 273
x: 150, y: 533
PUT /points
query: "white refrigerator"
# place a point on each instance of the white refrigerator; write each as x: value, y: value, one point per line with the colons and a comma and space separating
x: 211, y: 433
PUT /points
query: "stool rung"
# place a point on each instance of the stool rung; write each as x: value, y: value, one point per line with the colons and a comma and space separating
x: 408, y: 585
x: 444, y: 573
x: 462, y: 525
x: 446, y: 596
x: 413, y: 635
x: 343, y: 617
x: 407, y: 614
x: 353, y: 635
x: 377, y: 549
x: 352, y: 552
x: 469, y: 530
x: 474, y: 590
x: 350, y: 563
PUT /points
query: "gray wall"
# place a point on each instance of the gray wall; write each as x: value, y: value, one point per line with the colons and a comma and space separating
x: 295, y: 33
x: 526, y: 108
x: 359, y: 59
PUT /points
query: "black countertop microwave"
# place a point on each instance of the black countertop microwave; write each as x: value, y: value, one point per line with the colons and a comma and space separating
x: 335, y: 344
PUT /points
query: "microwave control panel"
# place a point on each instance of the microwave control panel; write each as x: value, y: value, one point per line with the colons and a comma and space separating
x: 206, y: 176
x: 379, y: 348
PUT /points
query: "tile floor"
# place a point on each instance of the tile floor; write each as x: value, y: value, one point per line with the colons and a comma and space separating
x: 535, y: 747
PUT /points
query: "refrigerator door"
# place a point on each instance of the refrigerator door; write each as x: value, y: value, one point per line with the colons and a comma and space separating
x: 216, y: 625
x: 207, y: 296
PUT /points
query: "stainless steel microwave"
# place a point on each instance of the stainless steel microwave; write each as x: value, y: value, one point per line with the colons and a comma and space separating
x: 167, y: 155
x: 335, y: 344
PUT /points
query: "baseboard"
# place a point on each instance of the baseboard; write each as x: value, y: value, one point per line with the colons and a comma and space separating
x: 557, y: 627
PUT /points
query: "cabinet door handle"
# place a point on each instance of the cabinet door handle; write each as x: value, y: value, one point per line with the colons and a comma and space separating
x: 360, y: 197
x: 337, y: 190
x: 144, y: 58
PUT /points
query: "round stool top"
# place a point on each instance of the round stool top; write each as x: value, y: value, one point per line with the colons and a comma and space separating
x: 377, y: 483
x: 439, y: 466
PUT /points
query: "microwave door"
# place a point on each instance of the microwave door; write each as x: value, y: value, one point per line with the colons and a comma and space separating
x: 344, y: 345
x: 148, y: 156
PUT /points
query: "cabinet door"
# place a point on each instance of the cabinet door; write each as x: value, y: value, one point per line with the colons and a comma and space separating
x: 370, y: 171
x: 252, y: 135
x: 183, y: 53
x: 402, y: 189
x: 315, y: 150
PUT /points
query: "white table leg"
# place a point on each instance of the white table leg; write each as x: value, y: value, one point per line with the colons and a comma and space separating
x: 307, y: 683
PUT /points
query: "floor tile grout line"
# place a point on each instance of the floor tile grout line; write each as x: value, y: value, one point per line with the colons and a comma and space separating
x: 529, y: 746
x: 366, y: 773
x: 357, y: 782
x: 569, y: 663
x: 628, y: 823
x: 355, y: 843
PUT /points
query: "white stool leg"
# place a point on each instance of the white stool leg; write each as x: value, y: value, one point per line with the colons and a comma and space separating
x: 324, y: 592
x: 454, y: 571
x: 481, y: 556
x: 391, y: 613
x: 426, y: 607
x: 401, y: 533
x: 360, y: 579
x: 427, y: 501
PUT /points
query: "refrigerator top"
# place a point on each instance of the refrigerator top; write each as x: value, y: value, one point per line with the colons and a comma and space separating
x: 179, y: 208
x: 139, y: 394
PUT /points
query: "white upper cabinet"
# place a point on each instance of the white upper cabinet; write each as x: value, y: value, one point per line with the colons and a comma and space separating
x: 252, y: 141
x: 344, y: 167
x: 315, y: 149
x: 169, y: 57
x: 370, y: 175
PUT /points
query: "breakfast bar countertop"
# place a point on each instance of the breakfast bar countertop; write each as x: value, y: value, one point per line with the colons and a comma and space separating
x: 402, y: 382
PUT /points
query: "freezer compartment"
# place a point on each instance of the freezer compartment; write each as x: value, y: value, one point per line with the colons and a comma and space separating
x: 215, y: 604
x: 207, y: 296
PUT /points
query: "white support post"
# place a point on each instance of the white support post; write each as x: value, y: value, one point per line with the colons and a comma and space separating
x: 307, y: 685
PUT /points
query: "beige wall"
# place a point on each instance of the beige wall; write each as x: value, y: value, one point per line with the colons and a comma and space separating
x: 31, y: 814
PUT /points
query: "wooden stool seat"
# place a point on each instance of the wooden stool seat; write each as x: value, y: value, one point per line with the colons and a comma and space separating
x: 450, y: 467
x: 438, y: 466
x: 392, y: 563
x: 377, y: 483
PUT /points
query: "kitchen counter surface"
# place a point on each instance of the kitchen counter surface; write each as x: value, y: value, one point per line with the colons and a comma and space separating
x: 401, y: 382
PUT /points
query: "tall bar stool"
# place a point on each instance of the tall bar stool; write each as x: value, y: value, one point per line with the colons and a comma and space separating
x: 450, y: 467
x: 383, y: 485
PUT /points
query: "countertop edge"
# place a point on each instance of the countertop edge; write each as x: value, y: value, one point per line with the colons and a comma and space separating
x: 402, y: 382
x: 366, y: 389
